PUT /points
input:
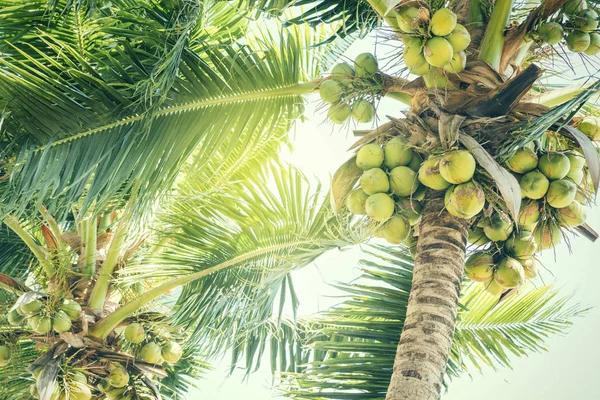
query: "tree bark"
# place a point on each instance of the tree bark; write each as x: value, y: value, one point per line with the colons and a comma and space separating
x: 428, y: 332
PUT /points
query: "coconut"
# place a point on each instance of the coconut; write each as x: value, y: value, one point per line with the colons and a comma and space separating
x: 529, y: 213
x: 118, y: 377
x: 457, y: 166
x: 509, y: 273
x: 493, y: 287
x: 40, y: 324
x: 32, y: 308
x: 151, y: 353
x: 534, y: 185
x: 438, y: 51
x: 590, y: 126
x: 498, y: 228
x: 547, y: 236
x: 576, y: 176
x: 339, y: 113
x: 561, y: 193
x: 415, y: 162
x: 363, y: 111
x: 436, y: 79
x: 79, y: 391
x: 15, y: 319
x: 554, y: 165
x: 572, y: 215
x: 457, y: 63
x: 356, y: 201
x: 578, y: 41
x: 420, y: 70
x: 374, y: 181
x: 531, y: 267
x: 5, y: 355
x: 413, y: 57
x: 419, y: 194
x: 135, y: 333
x: 443, y: 22
x: 396, y: 152
x: 594, y: 46
x: 403, y: 181
x: 331, y: 91
x: 477, y: 237
x: 72, y: 308
x: 429, y: 174
x: 523, y: 161
x: 411, y: 42
x: 576, y: 161
x: 79, y: 377
x: 411, y: 210
x: 61, y: 322
x: 521, y: 245
x: 465, y: 200
x: 479, y: 267
x: 171, y: 352
x: 572, y: 7
x: 379, y: 207
x: 586, y: 20
x: 343, y: 73
x: 365, y: 65
x: 551, y: 32
x: 369, y: 156
x: 115, y: 394
x: 408, y: 19
x: 396, y: 230
x: 459, y: 38
x: 103, y: 386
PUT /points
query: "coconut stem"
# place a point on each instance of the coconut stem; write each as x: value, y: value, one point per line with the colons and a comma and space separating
x: 389, y: 16
x: 558, y: 96
x: 38, y: 252
x: 493, y: 39
x: 401, y: 97
x: 89, y: 228
x: 475, y: 13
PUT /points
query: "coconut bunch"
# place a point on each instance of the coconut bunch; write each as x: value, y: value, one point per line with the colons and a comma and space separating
x: 348, y: 90
x: 42, y: 314
x: 577, y: 24
x: 432, y: 44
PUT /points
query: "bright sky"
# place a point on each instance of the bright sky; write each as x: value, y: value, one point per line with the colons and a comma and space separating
x: 568, y: 371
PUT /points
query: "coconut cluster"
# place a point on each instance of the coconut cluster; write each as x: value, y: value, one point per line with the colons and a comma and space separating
x: 431, y: 43
x: 75, y: 386
x: 389, y: 191
x: 42, y: 315
x: 577, y: 24
x: 340, y: 90
x: 152, y: 352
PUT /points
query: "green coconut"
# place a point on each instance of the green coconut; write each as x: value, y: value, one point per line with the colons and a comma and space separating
x: 343, y: 73
x: 419, y: 194
x: 115, y: 394
x: 79, y: 376
x: 79, y: 391
x: 561, y: 193
x: 547, y: 236
x: 413, y: 57
x: 365, y: 65
x: 590, y: 126
x: 374, y: 181
x: 523, y: 161
x: 594, y: 46
x: 578, y: 41
x: 369, y: 156
x: 576, y: 176
x: 396, y: 230
x: 477, y: 237
x: 436, y: 79
x: 493, y: 287
x: 403, y: 181
x: 554, y: 165
x: 479, y: 267
x: 509, y: 273
x: 457, y: 166
x: 151, y: 353
x: 438, y: 51
x: 379, y: 207
x: 465, y: 200
x: 15, y: 319
x: 521, y: 245
x: 572, y: 215
x: 396, y: 153
x: 529, y: 213
x: 135, y: 333
x: 72, y: 308
x: 457, y: 63
x: 420, y: 70
x: 415, y: 162
x: 32, y: 308
x: 411, y: 42
x: 531, y: 267
x: 363, y: 111
x: 61, y: 322
x: 339, y: 113
x: 356, y: 201
x: 430, y: 176
x: 572, y: 7
x: 498, y: 228
x: 586, y: 20
x: 534, y: 185
x: 408, y: 19
x: 411, y: 210
x: 551, y: 32
x: 576, y: 161
x: 171, y: 352
x: 331, y: 91
x: 40, y: 324
x: 459, y: 38
x: 103, y: 386
x: 118, y: 377
x: 5, y: 355
x: 443, y: 22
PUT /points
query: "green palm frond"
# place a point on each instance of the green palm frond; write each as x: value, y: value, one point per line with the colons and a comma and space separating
x: 15, y: 257
x: 356, y: 358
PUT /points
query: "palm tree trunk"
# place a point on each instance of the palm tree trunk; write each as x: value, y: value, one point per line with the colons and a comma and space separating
x: 428, y: 331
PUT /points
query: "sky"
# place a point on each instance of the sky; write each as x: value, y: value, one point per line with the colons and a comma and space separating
x: 569, y: 370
